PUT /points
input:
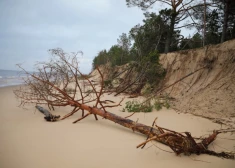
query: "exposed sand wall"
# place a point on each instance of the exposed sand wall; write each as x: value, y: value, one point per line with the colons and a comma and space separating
x: 209, y: 92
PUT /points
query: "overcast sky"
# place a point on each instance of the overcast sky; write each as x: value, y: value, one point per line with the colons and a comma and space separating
x: 28, y: 28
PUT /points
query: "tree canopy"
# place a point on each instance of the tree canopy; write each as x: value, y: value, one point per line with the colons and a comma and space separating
x: 213, y: 22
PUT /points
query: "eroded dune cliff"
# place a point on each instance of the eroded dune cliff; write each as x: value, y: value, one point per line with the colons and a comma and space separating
x: 209, y: 92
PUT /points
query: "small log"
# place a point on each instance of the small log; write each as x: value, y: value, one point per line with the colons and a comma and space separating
x: 48, y: 116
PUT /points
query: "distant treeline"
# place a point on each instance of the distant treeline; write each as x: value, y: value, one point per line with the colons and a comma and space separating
x: 213, y: 20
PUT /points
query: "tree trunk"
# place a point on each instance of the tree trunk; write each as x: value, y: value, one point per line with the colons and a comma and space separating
x: 170, y: 32
x: 204, y: 25
x: 225, y: 25
x: 176, y: 141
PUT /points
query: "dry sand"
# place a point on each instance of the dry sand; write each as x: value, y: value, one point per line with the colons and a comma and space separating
x: 209, y: 92
x: 28, y: 141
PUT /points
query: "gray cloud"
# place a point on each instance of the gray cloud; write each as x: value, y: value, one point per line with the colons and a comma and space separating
x: 28, y: 28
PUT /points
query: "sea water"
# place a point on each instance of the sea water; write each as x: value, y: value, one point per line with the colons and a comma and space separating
x: 11, y: 77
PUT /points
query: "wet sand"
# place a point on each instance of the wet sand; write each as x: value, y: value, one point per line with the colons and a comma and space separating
x: 28, y: 141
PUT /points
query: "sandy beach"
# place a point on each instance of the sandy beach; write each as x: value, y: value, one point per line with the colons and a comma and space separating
x: 28, y: 141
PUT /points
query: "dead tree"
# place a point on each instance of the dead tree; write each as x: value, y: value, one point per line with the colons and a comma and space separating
x: 58, y: 83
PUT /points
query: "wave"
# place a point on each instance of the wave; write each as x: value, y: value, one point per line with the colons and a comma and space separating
x: 9, y: 81
x: 11, y: 77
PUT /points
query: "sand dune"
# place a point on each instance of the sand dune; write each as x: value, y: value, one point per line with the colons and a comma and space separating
x: 28, y: 141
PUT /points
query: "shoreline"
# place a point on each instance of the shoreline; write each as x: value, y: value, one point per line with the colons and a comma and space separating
x: 14, y: 85
x: 27, y: 140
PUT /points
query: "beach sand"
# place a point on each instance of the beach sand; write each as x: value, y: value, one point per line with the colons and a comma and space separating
x: 28, y: 141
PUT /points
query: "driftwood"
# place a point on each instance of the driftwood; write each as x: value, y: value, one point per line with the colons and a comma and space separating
x: 50, y: 87
x: 48, y: 115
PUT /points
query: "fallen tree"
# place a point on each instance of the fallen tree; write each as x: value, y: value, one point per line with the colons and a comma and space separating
x: 60, y: 83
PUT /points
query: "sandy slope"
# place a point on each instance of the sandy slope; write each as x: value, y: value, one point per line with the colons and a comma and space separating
x: 209, y: 92
x: 27, y: 141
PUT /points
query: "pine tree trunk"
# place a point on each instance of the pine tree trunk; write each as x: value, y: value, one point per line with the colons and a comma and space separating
x: 176, y: 141
x: 225, y: 25
x: 170, y: 33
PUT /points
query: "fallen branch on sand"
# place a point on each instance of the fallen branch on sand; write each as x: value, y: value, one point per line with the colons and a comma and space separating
x: 50, y: 85
x: 48, y: 115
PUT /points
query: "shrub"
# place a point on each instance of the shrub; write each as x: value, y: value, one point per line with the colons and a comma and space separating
x: 158, y: 104
x: 69, y: 90
x: 136, y: 106
x: 108, y: 83
x: 83, y: 77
